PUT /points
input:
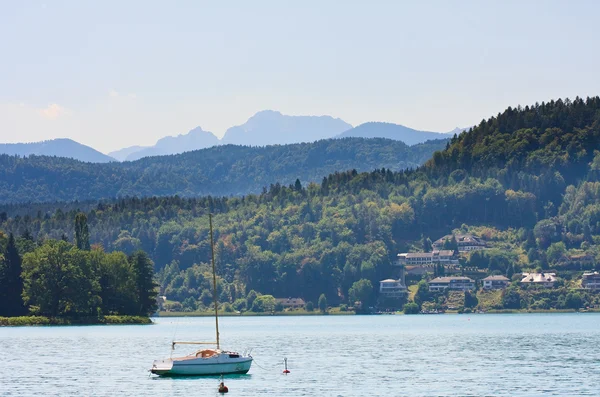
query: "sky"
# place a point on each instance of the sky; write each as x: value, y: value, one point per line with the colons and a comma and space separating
x: 112, y: 74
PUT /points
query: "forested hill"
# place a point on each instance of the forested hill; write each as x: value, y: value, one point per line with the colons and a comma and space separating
x: 530, y: 188
x: 557, y: 135
x: 222, y: 170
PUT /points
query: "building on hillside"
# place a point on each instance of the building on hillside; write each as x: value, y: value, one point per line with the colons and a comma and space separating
x: 391, y: 288
x: 495, y: 282
x: 291, y: 303
x: 583, y: 259
x: 451, y: 283
x: 591, y: 280
x: 445, y: 257
x: 544, y: 279
x: 465, y: 242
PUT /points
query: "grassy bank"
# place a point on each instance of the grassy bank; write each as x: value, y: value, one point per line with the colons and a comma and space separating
x: 42, y: 320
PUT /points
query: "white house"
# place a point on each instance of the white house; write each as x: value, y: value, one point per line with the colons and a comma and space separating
x: 451, y: 283
x: 291, y: 303
x: 465, y: 242
x: 446, y: 257
x: 391, y: 288
x: 495, y: 282
x: 544, y: 279
x: 591, y: 280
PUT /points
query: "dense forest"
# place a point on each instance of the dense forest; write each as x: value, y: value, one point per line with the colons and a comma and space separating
x: 525, y: 180
x: 221, y: 170
x: 59, y: 279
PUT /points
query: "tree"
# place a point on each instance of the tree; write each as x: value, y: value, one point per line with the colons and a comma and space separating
x: 309, y: 306
x: 11, y: 282
x: 117, y: 289
x: 361, y: 291
x: 145, y: 287
x: 426, y: 243
x: 422, y: 293
x: 470, y: 300
x: 82, y: 234
x: 511, y: 299
x: 322, y: 303
x: 556, y: 251
x: 206, y: 298
x: 252, y: 295
x: 264, y: 303
x: 411, y: 308
x: 59, y: 281
x: 574, y: 300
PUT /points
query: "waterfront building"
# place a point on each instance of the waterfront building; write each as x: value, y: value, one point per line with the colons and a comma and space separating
x: 291, y: 303
x: 591, y: 280
x: 465, y: 242
x: 495, y: 282
x: 391, y: 288
x: 544, y: 279
x: 451, y: 283
x: 445, y: 257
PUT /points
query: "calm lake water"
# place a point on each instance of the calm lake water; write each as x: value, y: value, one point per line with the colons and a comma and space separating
x: 443, y: 355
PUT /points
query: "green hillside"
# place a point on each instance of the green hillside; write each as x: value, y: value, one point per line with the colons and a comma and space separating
x: 221, y: 170
x: 525, y: 180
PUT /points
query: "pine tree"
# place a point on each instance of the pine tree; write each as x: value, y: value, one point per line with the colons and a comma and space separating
x: 11, y: 282
x: 82, y: 234
x: 143, y: 270
x: 426, y: 243
x: 322, y: 303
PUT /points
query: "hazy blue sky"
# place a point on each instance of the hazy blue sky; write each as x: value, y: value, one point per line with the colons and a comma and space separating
x: 116, y: 73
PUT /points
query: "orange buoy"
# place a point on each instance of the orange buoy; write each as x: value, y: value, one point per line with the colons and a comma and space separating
x: 223, y: 388
x: 285, y: 371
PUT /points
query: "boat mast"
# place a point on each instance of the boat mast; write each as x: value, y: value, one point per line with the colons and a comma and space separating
x: 212, y: 250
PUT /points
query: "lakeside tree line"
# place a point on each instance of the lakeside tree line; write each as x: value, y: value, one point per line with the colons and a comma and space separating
x: 56, y: 278
x: 530, y: 175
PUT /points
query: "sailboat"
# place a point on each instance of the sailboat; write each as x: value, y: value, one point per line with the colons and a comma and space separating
x: 211, y: 361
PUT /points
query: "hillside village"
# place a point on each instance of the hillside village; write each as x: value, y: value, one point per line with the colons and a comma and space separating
x: 442, y: 278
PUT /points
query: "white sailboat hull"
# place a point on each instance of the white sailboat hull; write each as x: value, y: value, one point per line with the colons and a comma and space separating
x: 197, y: 366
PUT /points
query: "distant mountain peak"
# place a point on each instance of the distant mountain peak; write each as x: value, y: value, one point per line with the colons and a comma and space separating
x: 59, y: 147
x: 194, y: 139
x: 269, y: 127
x: 398, y: 132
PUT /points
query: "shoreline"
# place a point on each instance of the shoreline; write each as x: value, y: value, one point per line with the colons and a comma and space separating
x: 23, y: 321
x: 301, y: 313
x: 351, y: 313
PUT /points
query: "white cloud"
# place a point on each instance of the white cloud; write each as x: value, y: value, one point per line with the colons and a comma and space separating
x: 53, y: 111
x: 113, y: 93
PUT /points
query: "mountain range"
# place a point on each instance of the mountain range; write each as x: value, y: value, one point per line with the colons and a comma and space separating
x: 265, y: 128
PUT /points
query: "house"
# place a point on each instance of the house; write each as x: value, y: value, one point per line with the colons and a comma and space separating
x: 544, y: 279
x: 291, y: 303
x: 391, y: 288
x: 591, y: 280
x: 495, y: 282
x: 465, y: 242
x: 583, y: 259
x: 446, y: 257
x: 451, y: 283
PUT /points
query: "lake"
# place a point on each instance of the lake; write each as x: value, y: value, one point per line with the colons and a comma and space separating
x: 436, y: 355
